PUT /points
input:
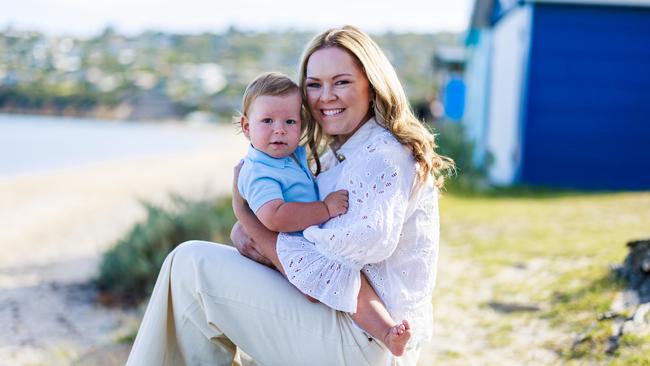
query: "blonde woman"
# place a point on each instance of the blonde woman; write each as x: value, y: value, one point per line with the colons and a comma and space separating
x: 209, y: 300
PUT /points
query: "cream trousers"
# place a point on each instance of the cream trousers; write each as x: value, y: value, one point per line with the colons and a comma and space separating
x: 209, y: 300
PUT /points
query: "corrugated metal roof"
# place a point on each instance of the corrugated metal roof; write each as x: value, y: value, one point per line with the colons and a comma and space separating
x: 483, y: 9
x: 596, y: 2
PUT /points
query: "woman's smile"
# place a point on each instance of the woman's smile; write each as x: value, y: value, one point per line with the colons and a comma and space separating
x: 332, y: 112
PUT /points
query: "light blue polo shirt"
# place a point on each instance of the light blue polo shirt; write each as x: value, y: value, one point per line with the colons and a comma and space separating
x: 263, y: 178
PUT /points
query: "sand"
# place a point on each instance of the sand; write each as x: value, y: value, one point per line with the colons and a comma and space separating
x: 55, y: 227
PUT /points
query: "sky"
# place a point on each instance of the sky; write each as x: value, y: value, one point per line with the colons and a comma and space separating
x: 88, y: 17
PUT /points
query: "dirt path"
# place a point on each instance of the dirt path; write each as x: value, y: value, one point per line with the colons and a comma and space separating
x: 474, y: 326
x: 55, y: 227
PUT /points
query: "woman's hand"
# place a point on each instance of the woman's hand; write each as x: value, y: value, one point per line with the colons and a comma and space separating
x: 246, y: 246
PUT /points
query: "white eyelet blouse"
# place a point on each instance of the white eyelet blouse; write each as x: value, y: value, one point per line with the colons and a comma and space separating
x: 388, y: 233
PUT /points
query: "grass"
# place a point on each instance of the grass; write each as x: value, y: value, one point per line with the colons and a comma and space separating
x: 129, y: 270
x: 552, y: 249
x: 521, y: 270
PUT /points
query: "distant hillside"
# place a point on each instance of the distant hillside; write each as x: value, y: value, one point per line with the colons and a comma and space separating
x: 160, y: 76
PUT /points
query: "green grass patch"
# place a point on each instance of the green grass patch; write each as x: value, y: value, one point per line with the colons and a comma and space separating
x: 500, y: 335
x: 582, y: 297
x: 451, y: 355
x: 634, y: 360
x: 129, y: 270
x: 128, y: 338
x: 550, y: 248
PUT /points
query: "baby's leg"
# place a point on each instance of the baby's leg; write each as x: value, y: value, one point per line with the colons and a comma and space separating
x: 373, y: 317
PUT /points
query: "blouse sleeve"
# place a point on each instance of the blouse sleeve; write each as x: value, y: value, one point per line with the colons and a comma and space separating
x: 325, y: 261
x: 379, y: 188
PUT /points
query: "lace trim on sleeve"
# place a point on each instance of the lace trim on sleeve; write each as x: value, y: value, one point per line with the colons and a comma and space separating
x: 331, y: 281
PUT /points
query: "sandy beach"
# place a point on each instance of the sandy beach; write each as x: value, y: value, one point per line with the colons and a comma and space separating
x: 56, y: 225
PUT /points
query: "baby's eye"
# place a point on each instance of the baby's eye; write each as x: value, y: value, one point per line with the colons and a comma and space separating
x: 266, y: 120
x: 291, y: 122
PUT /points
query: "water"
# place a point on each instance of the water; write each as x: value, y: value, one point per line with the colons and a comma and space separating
x: 34, y: 144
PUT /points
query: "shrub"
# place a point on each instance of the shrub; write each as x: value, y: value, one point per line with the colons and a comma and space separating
x: 129, y: 270
x: 454, y: 143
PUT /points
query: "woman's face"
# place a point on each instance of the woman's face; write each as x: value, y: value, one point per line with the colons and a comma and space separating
x: 338, y: 92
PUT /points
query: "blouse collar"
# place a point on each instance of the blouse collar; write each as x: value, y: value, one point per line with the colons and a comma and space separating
x: 355, y: 141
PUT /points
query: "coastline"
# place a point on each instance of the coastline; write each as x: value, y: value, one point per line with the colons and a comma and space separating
x: 45, y: 144
x: 89, y: 203
x: 56, y: 225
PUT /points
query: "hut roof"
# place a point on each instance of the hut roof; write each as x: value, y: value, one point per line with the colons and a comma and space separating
x: 483, y: 9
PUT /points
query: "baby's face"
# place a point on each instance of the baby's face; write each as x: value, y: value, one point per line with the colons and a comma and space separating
x: 273, y: 124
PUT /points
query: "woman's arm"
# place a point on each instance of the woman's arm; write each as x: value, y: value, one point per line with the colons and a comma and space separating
x: 325, y: 261
x: 379, y: 183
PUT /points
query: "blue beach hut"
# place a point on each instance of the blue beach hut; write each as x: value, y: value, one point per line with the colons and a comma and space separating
x: 558, y: 92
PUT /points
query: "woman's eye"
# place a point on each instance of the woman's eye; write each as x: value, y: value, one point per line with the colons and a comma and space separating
x: 343, y: 82
x: 313, y: 85
x: 291, y: 122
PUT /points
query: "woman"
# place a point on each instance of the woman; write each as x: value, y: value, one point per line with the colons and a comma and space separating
x: 209, y: 300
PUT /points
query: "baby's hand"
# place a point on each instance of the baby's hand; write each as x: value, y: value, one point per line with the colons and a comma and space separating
x: 337, y: 203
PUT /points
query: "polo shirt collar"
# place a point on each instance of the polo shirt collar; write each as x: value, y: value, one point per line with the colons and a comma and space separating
x: 261, y: 157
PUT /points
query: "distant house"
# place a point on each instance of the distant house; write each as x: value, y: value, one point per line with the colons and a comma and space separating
x: 448, y: 69
x: 559, y: 92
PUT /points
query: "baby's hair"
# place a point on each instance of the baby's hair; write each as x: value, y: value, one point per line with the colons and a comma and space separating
x: 270, y: 84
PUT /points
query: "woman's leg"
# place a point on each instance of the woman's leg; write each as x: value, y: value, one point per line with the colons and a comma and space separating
x: 216, y: 296
x: 157, y: 343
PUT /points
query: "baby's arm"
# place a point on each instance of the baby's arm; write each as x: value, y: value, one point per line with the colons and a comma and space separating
x: 281, y: 216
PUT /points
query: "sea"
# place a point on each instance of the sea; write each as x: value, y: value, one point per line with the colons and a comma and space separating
x: 38, y: 144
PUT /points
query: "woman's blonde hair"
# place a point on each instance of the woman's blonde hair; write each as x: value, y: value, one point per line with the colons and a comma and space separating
x: 390, y: 106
